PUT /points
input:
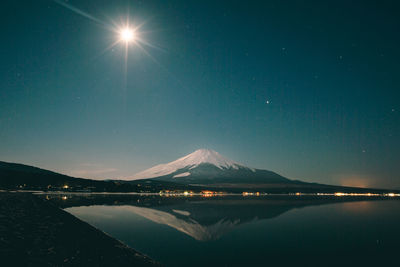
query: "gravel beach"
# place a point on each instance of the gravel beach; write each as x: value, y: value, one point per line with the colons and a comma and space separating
x: 34, y: 232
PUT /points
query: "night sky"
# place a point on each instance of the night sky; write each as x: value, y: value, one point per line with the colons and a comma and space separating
x: 307, y: 89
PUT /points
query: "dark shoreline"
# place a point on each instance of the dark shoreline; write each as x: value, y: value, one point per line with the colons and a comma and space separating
x: 34, y: 232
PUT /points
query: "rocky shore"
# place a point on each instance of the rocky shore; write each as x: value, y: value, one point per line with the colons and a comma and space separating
x: 34, y: 232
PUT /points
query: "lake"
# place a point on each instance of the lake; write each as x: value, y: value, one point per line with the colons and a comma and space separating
x: 248, y: 231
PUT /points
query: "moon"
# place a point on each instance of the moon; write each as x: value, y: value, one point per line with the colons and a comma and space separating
x: 127, y: 35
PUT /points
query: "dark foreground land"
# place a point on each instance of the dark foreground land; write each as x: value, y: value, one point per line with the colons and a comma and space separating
x: 34, y: 232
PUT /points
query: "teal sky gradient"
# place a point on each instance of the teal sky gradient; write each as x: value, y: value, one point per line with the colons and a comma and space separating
x: 330, y: 72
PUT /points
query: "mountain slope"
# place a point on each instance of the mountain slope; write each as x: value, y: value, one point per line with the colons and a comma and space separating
x: 20, y: 176
x: 14, y: 174
x: 205, y: 166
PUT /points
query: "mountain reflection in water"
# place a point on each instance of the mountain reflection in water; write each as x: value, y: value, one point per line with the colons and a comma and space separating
x: 247, y: 231
x: 201, y: 219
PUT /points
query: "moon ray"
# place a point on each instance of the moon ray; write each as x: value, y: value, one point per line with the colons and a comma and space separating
x: 79, y: 12
x: 144, y: 42
x: 160, y: 65
x: 105, y: 50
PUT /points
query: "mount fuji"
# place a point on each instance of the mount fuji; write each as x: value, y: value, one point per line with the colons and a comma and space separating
x: 206, y: 166
x: 203, y: 169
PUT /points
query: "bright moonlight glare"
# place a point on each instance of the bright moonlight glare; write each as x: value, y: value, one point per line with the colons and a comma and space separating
x: 127, y: 35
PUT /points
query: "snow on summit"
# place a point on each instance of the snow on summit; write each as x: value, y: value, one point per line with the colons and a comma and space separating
x: 192, y: 160
x: 207, y: 156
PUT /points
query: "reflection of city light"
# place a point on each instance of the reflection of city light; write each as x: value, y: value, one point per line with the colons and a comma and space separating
x: 65, y: 186
x: 340, y: 194
x: 64, y: 197
x: 209, y: 193
x: 251, y: 194
x: 177, y: 193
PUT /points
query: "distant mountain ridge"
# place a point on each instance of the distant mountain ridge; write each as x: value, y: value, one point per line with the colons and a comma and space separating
x: 14, y: 174
x: 20, y: 176
x: 203, y: 173
x: 23, y: 168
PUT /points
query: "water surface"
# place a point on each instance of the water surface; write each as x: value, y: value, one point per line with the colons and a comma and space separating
x: 237, y: 231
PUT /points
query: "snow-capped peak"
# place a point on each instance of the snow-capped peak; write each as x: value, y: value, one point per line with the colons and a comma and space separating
x: 207, y: 156
x: 192, y: 160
